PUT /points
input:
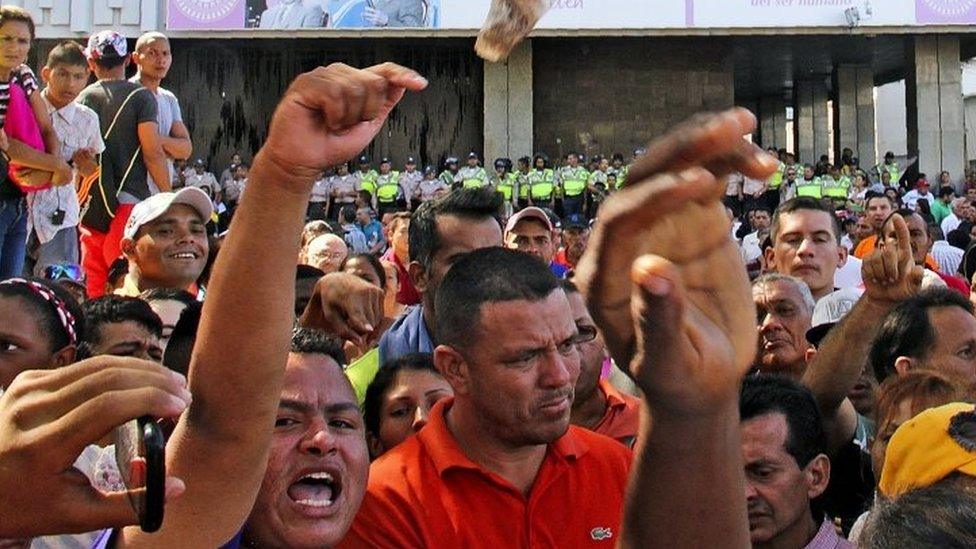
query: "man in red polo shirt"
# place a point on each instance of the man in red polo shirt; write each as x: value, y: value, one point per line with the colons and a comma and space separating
x: 499, y: 464
x: 598, y: 405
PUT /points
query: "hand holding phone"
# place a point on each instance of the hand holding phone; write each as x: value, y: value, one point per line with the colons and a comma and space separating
x: 140, y: 451
x: 49, y: 417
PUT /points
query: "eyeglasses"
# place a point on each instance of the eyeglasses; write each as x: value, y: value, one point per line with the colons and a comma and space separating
x: 60, y: 271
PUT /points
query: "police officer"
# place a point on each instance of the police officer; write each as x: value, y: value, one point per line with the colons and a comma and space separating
x: 542, y: 184
x: 618, y: 169
x: 409, y: 179
x: 810, y: 185
x: 450, y: 176
x: 431, y: 186
x: 473, y: 175
x: 836, y: 186
x: 771, y: 197
x: 571, y: 180
x: 522, y: 175
x: 367, y: 178
x: 343, y: 187
x: 890, y: 166
x: 597, y: 186
x: 506, y: 183
x: 387, y: 188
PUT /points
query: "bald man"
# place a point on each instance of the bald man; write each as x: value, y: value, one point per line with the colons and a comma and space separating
x: 153, y: 59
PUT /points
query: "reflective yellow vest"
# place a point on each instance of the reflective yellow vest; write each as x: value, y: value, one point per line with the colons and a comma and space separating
x: 541, y: 183
x: 574, y: 180
x: 506, y: 186
x: 811, y: 188
x: 776, y: 179
x: 837, y: 188
x: 387, y: 187
x: 523, y: 179
x: 367, y: 181
x: 892, y: 170
x: 472, y: 181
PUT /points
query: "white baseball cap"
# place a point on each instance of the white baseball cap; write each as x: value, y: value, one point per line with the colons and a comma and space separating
x: 830, y: 309
x: 156, y: 205
x: 528, y: 213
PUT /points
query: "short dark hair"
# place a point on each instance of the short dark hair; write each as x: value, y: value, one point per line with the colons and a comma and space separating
x: 112, y: 62
x: 935, y: 232
x: 308, y: 341
x: 804, y: 203
x: 184, y: 337
x: 373, y: 261
x: 117, y: 270
x: 871, y: 195
x: 113, y: 309
x: 15, y: 13
x: 168, y: 294
x: 488, y: 275
x: 46, y: 312
x: 568, y: 286
x: 419, y: 362
x: 768, y: 394
x: 471, y: 204
x: 936, y: 516
x: 348, y: 212
x: 946, y: 191
x: 907, y: 331
x: 68, y: 53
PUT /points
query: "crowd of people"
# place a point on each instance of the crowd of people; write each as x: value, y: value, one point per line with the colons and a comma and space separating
x: 711, y: 346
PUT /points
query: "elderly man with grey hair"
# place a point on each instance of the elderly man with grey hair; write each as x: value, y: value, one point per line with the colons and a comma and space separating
x: 784, y: 307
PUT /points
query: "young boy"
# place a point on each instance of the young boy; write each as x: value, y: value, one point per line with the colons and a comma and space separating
x: 54, y: 212
x: 16, y: 35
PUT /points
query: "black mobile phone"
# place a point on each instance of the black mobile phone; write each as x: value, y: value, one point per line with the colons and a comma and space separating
x: 57, y: 218
x: 140, y: 453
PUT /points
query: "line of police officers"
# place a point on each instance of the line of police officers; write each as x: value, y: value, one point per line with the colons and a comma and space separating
x: 571, y: 190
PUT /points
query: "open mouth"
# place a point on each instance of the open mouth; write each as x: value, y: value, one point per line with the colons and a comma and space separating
x: 319, y: 489
x: 184, y: 256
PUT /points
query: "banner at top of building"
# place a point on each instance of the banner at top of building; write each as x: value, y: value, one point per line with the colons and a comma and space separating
x: 564, y: 14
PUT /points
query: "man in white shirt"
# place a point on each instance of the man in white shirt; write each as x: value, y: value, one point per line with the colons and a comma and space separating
x: 947, y: 256
x: 920, y: 192
x: 203, y: 179
x: 54, y: 212
x: 960, y: 208
x: 153, y: 59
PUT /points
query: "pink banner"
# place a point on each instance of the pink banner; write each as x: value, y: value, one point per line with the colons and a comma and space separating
x: 929, y: 12
x: 205, y: 14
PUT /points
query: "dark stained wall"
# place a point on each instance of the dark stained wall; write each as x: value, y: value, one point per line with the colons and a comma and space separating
x: 605, y: 95
x: 228, y: 90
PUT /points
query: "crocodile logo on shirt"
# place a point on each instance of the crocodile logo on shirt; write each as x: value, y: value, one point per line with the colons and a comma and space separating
x: 601, y: 534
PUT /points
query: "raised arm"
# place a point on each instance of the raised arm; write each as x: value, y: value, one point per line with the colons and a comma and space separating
x: 220, y: 446
x: 890, y: 276
x: 687, y: 335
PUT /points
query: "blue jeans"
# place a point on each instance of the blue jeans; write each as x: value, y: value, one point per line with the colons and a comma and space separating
x: 13, y: 237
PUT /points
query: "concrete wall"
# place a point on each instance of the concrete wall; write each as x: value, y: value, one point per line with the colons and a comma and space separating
x: 891, y: 118
x: 508, y: 105
x: 612, y: 95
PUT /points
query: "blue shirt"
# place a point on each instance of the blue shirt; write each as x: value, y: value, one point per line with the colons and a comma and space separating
x: 407, y: 335
x: 559, y: 270
x: 374, y: 232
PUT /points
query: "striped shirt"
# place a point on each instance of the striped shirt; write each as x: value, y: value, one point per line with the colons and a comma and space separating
x: 22, y: 75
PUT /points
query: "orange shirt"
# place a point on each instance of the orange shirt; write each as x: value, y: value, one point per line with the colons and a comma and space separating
x: 621, y: 421
x: 866, y: 246
x: 427, y: 493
